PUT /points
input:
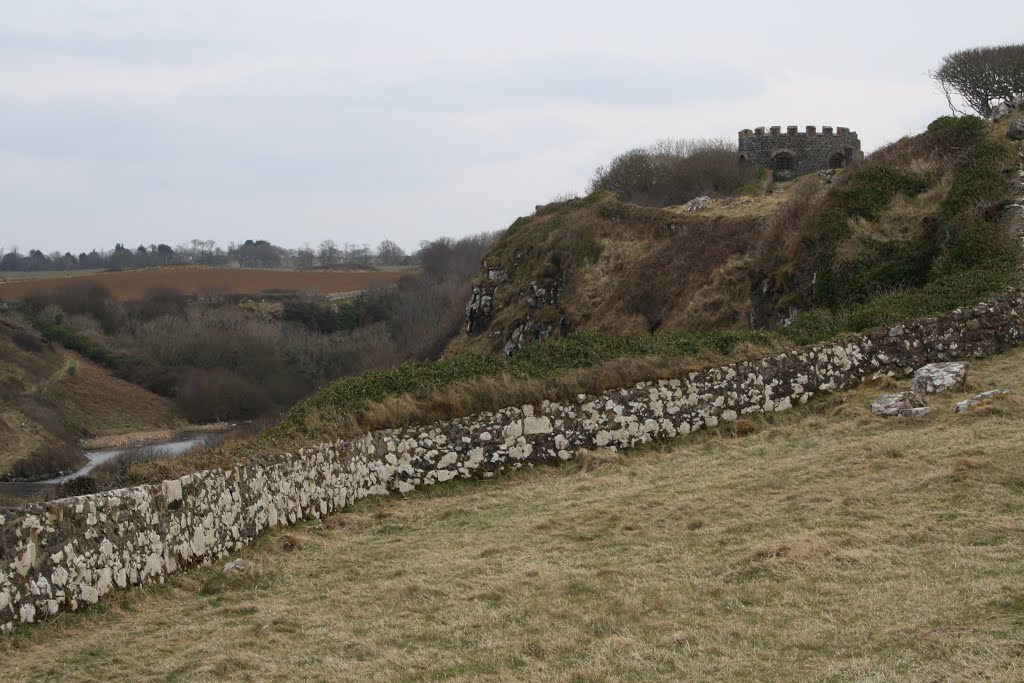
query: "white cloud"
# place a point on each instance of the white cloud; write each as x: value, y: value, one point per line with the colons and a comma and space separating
x: 228, y: 119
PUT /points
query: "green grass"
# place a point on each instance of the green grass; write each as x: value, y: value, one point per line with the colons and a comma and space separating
x: 536, y: 361
x: 822, y: 544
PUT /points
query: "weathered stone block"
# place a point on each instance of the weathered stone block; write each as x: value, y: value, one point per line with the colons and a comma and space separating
x: 936, y: 378
x: 903, y: 404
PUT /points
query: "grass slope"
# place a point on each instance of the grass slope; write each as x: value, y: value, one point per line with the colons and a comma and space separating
x: 821, y: 544
x: 50, y: 396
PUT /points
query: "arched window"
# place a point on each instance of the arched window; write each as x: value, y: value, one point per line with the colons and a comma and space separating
x: 783, y: 161
x: 836, y: 160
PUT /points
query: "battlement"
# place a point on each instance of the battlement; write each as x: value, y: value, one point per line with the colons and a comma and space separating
x: 792, y: 152
x: 795, y: 130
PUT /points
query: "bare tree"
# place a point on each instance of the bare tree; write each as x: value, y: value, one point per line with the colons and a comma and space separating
x: 982, y: 77
x: 329, y: 254
x: 304, y: 256
x: 390, y: 254
x: 357, y: 254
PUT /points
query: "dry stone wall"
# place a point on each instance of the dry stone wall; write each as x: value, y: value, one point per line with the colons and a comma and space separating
x: 68, y: 553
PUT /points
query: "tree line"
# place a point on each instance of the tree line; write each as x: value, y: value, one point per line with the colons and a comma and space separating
x: 220, y: 360
x: 252, y: 253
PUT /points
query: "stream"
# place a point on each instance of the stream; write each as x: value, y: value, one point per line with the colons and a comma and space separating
x: 26, y: 489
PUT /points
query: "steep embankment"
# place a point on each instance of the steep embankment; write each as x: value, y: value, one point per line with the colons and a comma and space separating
x: 919, y: 227
x: 602, y: 265
x: 915, y: 229
x: 50, y: 398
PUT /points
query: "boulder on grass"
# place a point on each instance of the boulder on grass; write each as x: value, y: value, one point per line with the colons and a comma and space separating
x: 241, y: 566
x: 999, y: 112
x: 697, y: 204
x: 938, y: 377
x: 975, y: 401
x: 903, y: 404
x: 1016, y: 131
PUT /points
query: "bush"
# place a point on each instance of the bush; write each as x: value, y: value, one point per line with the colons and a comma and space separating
x: 982, y: 245
x: 27, y: 341
x: 811, y: 327
x: 161, y: 300
x: 673, y: 172
x: 841, y: 285
x: 216, y: 395
x: 46, y: 462
x: 70, y: 339
x: 79, y: 298
x: 963, y: 288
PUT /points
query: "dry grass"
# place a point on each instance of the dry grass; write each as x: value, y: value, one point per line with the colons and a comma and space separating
x: 747, y: 207
x: 821, y: 545
x: 904, y: 219
x: 722, y: 303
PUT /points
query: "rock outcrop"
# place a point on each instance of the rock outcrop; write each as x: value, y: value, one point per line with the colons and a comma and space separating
x: 1016, y: 130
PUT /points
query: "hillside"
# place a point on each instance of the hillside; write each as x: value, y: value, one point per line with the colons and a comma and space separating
x: 818, y: 544
x: 914, y: 229
x: 51, y: 397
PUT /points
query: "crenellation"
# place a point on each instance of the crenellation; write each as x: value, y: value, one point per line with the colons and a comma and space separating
x: 795, y: 152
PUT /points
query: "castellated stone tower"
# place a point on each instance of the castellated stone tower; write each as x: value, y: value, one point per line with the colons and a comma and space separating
x: 794, y: 152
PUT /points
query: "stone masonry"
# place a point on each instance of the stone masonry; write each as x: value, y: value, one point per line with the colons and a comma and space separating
x: 66, y: 554
x: 795, y: 152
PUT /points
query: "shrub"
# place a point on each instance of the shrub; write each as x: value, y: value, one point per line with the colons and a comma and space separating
x: 216, y: 395
x: 161, y: 300
x: 47, y: 461
x: 80, y: 297
x: 982, y: 245
x: 841, y: 285
x: 70, y: 339
x: 27, y: 341
x: 811, y: 326
x: 673, y: 172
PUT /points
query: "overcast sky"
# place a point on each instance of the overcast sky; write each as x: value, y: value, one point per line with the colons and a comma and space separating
x: 167, y: 120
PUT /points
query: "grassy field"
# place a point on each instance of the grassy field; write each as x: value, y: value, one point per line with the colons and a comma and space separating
x: 823, y: 544
x: 134, y: 284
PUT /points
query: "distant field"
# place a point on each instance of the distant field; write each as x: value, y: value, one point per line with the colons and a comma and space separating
x: 18, y: 276
x: 133, y: 284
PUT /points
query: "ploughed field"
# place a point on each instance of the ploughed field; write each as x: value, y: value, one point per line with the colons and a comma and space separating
x: 820, y: 544
x: 134, y: 284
